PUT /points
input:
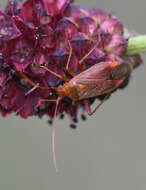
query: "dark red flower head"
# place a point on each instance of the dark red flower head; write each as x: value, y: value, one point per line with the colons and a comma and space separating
x: 35, y: 33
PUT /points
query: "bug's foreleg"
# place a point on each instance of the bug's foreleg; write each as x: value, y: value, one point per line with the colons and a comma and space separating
x: 88, y: 109
x: 56, y: 74
x: 68, y: 61
x: 53, y: 128
x: 80, y: 65
x: 35, y: 85
x: 53, y: 133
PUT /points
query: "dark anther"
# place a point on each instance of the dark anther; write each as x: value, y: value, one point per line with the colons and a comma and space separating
x: 44, y: 13
x: 1, y: 95
x: 83, y: 117
x: 50, y: 122
x: 57, y: 31
x: 61, y: 116
x: 1, y: 58
x: 39, y: 112
x: 18, y: 11
x: 75, y: 120
x: 43, y: 32
x: 7, y: 104
x: 73, y: 126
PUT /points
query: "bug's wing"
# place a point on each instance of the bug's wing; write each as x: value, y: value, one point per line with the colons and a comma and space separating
x: 92, y: 88
x: 98, y: 71
x: 95, y: 80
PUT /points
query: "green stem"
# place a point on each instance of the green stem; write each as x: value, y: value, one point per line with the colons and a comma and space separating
x: 136, y: 45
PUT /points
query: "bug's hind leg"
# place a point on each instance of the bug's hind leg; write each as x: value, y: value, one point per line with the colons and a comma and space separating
x: 88, y: 109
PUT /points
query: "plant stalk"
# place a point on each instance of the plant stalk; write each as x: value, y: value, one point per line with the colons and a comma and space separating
x: 136, y: 45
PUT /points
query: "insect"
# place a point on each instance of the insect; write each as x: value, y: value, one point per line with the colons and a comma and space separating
x: 101, y: 78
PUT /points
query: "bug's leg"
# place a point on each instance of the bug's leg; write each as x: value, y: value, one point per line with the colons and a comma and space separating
x: 80, y: 66
x: 53, y: 127
x: 35, y: 85
x: 87, y: 106
x: 53, y: 134
x: 67, y: 66
x: 52, y: 72
x: 45, y: 100
x: 32, y: 89
x: 68, y: 61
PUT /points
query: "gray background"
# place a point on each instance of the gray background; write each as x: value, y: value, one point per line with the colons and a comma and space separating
x: 105, y: 152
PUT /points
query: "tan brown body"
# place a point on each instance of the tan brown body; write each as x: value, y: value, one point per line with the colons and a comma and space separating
x: 97, y: 80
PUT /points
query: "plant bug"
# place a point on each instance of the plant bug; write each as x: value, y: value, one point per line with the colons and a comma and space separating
x: 100, y: 79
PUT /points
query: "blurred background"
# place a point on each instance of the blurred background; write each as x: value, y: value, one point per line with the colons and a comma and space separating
x: 105, y: 152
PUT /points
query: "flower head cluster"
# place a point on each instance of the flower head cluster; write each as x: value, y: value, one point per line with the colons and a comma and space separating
x: 37, y: 32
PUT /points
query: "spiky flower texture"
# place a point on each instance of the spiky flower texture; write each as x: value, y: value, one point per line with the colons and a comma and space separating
x: 35, y: 33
